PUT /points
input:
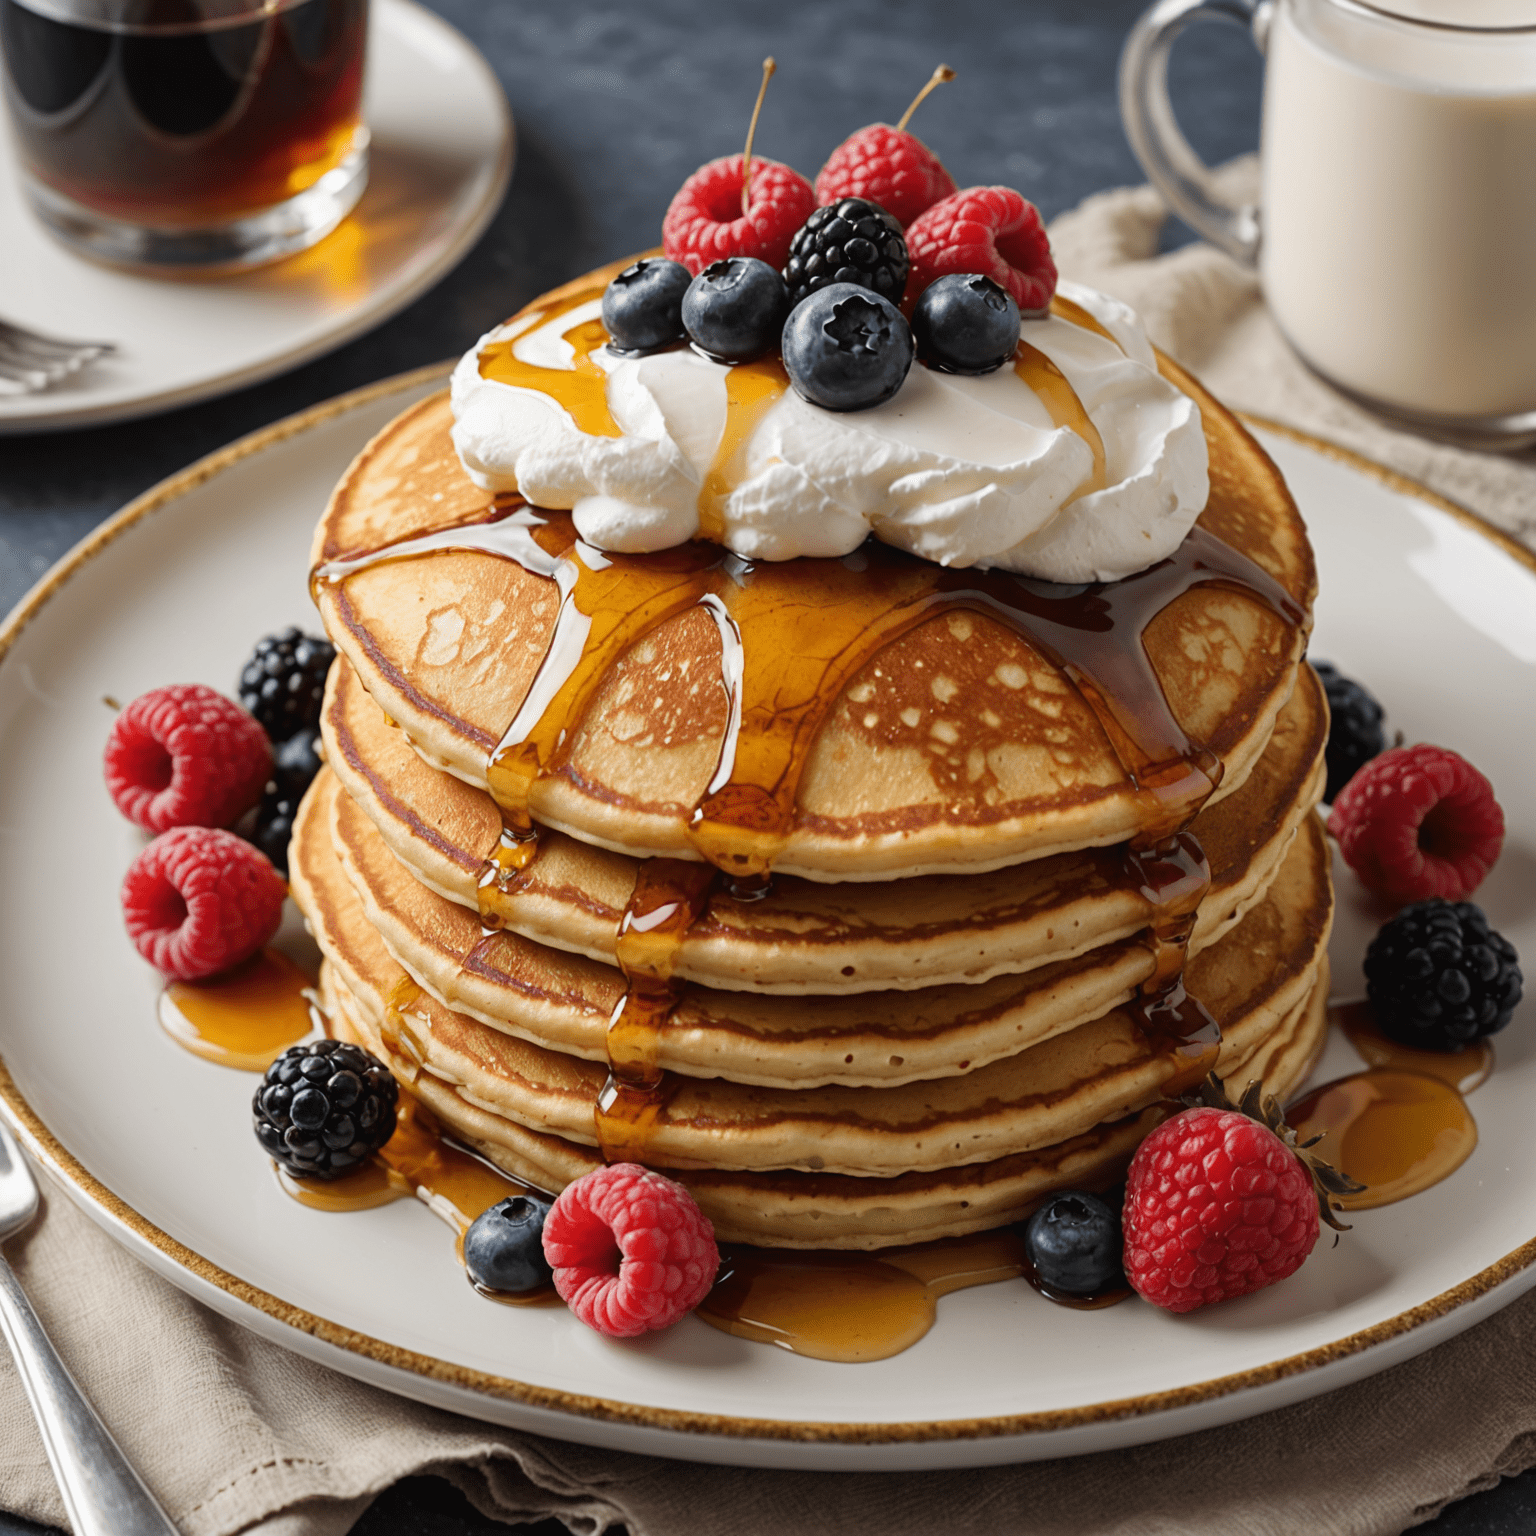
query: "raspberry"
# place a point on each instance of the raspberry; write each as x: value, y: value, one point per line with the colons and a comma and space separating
x: 990, y: 231
x: 705, y: 223
x: 1418, y: 822
x: 198, y: 900
x: 887, y: 166
x: 630, y: 1250
x: 1216, y: 1206
x: 186, y: 756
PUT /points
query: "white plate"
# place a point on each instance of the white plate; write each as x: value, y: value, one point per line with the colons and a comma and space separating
x: 441, y: 156
x: 1438, y: 616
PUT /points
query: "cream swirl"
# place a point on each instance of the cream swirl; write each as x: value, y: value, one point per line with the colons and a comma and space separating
x: 1081, y: 463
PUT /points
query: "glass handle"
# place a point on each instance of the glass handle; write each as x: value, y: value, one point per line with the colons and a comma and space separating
x: 1172, y: 167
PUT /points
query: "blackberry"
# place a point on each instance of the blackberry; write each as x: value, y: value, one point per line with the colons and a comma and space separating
x: 323, y: 1107
x: 1074, y: 1242
x: 1355, y: 733
x: 846, y: 348
x: 273, y: 829
x: 850, y: 241
x: 283, y: 682
x: 1439, y: 977
x: 504, y: 1247
x: 643, y: 306
x: 295, y: 763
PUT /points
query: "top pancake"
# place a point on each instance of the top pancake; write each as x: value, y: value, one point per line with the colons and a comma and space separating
x: 956, y: 745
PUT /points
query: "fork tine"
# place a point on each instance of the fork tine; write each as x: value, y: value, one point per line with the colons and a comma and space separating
x: 29, y: 343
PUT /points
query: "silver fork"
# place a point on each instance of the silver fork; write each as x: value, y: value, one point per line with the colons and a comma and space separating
x: 30, y: 361
x: 102, y: 1493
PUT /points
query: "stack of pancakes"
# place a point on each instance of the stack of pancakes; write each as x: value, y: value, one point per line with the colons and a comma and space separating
x: 942, y: 1004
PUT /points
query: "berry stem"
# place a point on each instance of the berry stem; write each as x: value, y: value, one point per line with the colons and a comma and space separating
x: 941, y: 76
x: 746, y: 159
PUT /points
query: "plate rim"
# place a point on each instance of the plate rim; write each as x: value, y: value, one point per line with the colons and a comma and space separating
x: 85, y: 1188
x: 358, y: 320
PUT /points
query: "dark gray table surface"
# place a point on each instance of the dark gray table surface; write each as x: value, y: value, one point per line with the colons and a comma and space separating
x: 615, y: 104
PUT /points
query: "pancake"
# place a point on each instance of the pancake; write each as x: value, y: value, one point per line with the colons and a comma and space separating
x: 1254, y: 982
x: 803, y: 936
x: 565, y: 1001
x: 821, y: 1210
x: 880, y: 718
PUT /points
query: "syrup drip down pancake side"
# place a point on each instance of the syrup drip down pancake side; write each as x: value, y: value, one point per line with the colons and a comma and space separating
x: 840, y: 719
x: 804, y: 936
x: 1254, y: 982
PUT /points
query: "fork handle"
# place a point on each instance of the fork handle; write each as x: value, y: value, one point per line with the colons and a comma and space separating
x: 103, y: 1495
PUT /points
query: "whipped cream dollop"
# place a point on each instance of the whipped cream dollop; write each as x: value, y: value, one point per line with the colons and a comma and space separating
x: 997, y: 471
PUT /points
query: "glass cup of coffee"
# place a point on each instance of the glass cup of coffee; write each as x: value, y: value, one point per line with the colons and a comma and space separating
x: 187, y: 134
x: 1396, y: 230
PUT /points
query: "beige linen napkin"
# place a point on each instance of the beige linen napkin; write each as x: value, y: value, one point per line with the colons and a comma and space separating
x: 235, y: 1434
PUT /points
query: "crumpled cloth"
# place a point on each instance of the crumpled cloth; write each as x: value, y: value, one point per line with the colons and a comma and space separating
x: 234, y: 1434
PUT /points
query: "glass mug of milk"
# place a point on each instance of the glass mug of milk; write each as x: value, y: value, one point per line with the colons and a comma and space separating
x: 1396, y: 233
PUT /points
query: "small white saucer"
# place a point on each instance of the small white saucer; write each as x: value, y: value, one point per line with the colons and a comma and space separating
x: 441, y: 158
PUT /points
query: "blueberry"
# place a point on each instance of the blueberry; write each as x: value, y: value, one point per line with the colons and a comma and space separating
x: 1074, y: 1242
x: 966, y: 324
x: 846, y: 348
x: 504, y: 1247
x: 643, y: 305
x: 734, y: 309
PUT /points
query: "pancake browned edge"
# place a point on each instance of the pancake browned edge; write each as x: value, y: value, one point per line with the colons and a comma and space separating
x: 807, y: 937
x: 564, y: 1001
x: 1260, y: 983
x: 898, y: 781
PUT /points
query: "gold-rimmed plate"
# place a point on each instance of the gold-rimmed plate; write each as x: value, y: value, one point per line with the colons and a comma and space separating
x: 1420, y: 600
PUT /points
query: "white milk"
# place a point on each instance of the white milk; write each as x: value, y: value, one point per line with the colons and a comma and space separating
x: 1399, y: 234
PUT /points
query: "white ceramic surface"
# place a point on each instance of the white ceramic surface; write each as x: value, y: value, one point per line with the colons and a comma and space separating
x: 440, y: 160
x: 1436, y: 616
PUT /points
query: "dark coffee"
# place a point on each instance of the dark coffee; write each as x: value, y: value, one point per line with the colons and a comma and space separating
x: 178, y: 119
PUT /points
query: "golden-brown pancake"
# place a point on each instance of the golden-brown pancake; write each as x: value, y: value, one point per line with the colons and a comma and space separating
x: 951, y: 744
x: 804, y: 936
x: 820, y: 1210
x: 1254, y: 982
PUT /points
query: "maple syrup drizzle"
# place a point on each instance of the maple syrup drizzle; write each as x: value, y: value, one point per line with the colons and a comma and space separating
x: 1396, y: 1132
x: 244, y: 1018
x: 751, y: 391
x: 581, y: 390
x: 419, y: 1161
x: 1464, y: 1070
x: 1066, y: 410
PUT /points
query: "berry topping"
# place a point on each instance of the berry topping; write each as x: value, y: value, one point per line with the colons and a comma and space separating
x: 294, y: 766
x: 965, y: 324
x: 846, y: 348
x: 643, y: 305
x: 1355, y: 734
x: 198, y: 900
x: 504, y: 1247
x: 274, y: 827
x: 851, y: 242
x: 296, y: 762
x: 1218, y: 1202
x: 630, y: 1250
x: 1074, y: 1243
x: 283, y: 683
x: 733, y: 207
x: 1417, y: 822
x: 889, y: 166
x: 323, y: 1107
x: 1439, y: 977
x: 705, y: 224
x: 185, y: 756
x: 991, y: 231
x: 734, y: 309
